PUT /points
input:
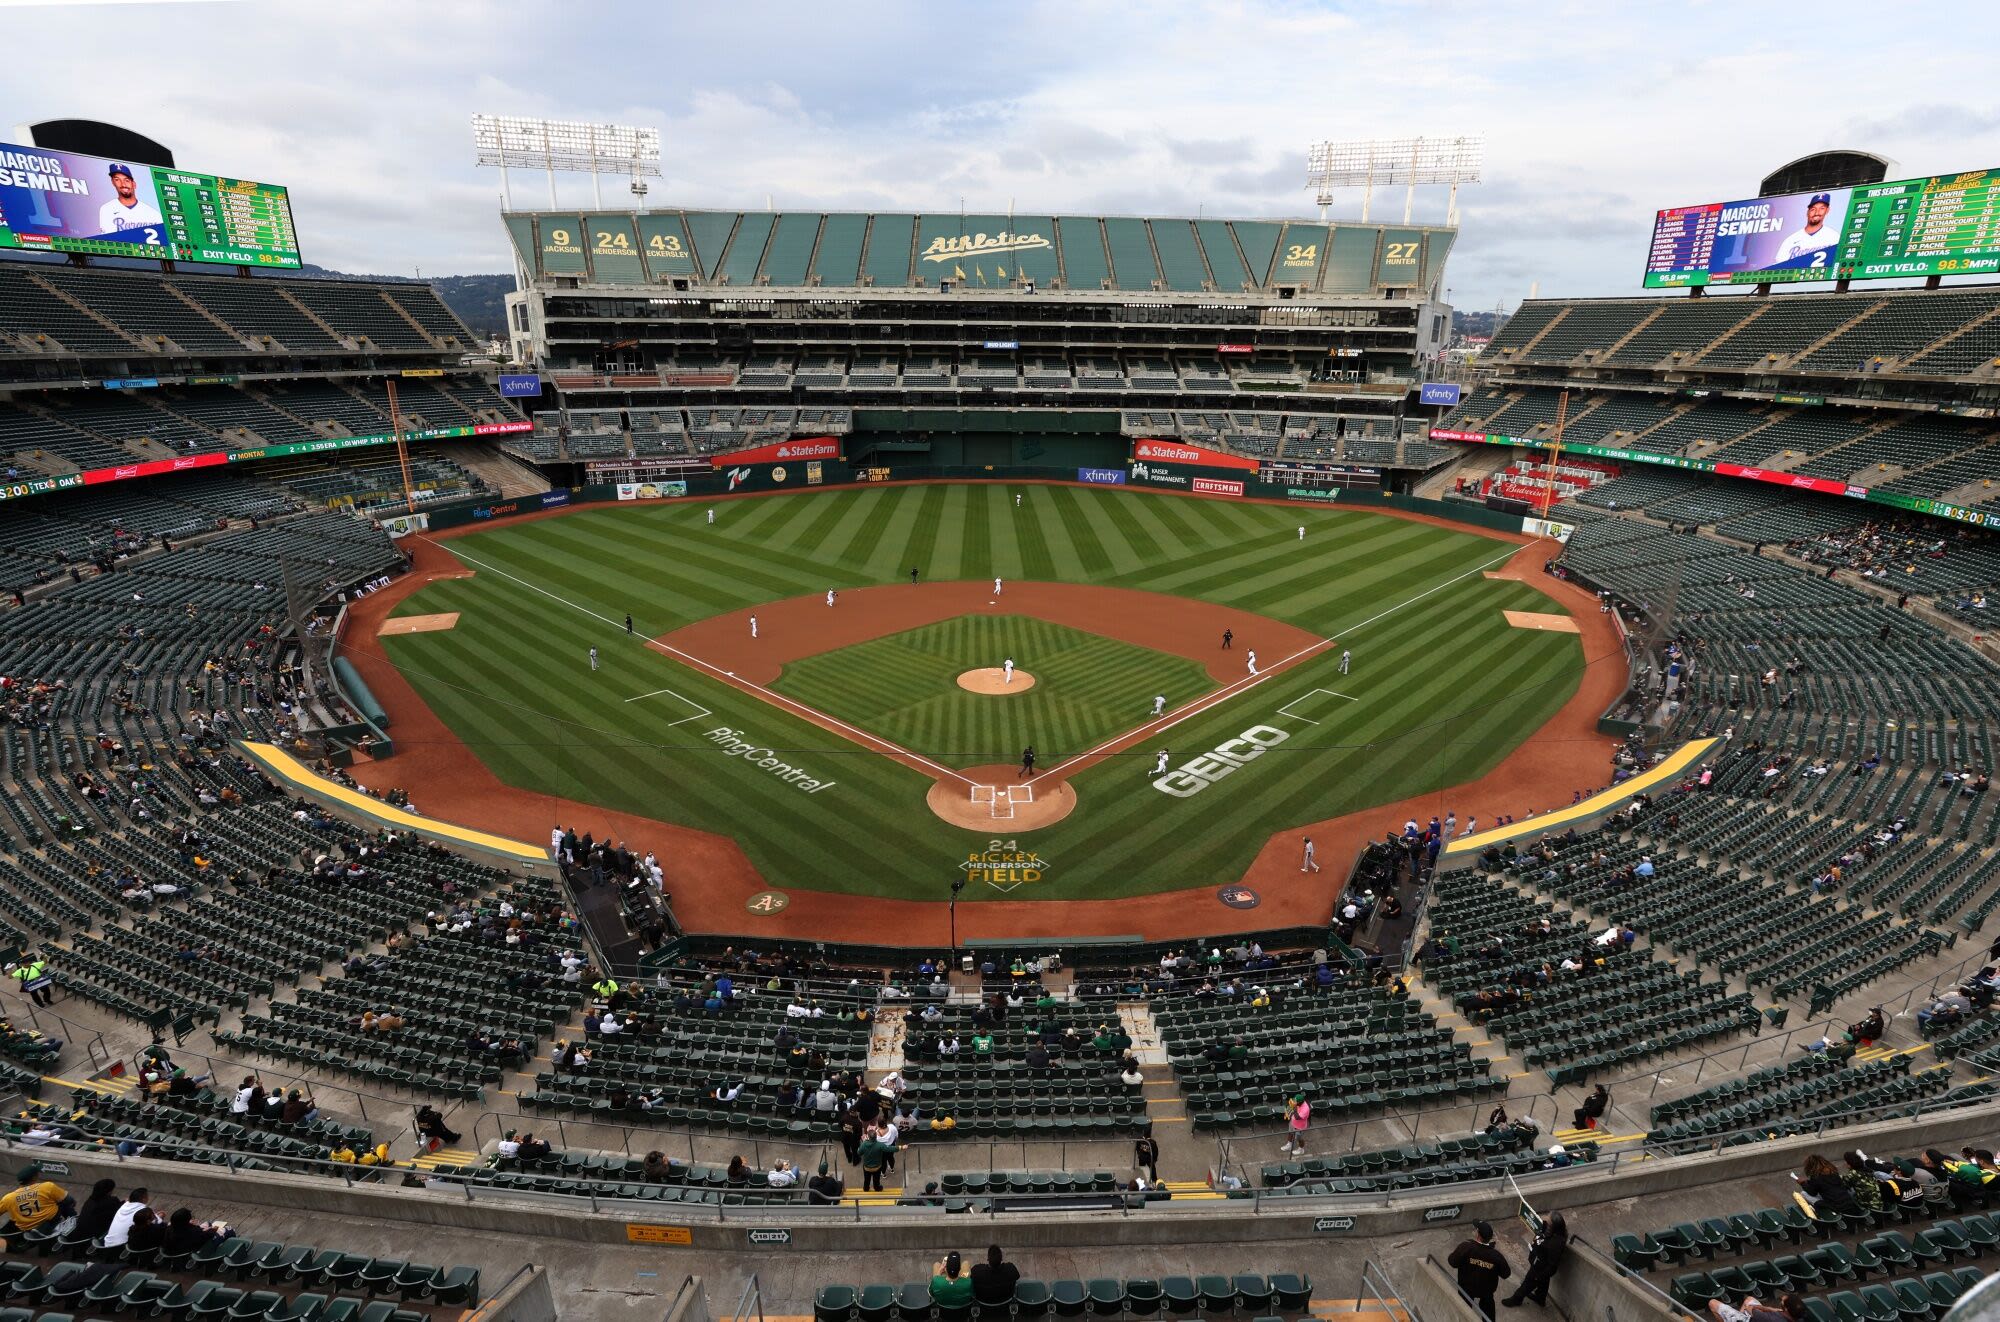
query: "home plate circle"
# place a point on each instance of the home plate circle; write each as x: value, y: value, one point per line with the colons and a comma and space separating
x: 996, y: 798
x: 993, y: 679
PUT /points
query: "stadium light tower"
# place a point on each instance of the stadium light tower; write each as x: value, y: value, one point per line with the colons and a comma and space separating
x: 1408, y: 161
x: 569, y: 146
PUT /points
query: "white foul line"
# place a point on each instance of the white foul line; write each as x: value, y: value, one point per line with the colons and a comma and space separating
x: 776, y: 699
x: 699, y: 710
x: 1248, y: 682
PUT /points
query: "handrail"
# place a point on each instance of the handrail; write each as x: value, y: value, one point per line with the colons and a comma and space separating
x: 91, y: 1039
x: 1820, y: 1125
x: 1627, y: 1274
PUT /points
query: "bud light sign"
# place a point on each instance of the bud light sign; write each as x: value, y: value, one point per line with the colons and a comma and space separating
x: 1109, y: 477
x: 520, y: 385
x: 1442, y: 394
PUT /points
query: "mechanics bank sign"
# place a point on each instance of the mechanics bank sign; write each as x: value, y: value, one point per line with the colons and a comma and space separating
x: 948, y: 248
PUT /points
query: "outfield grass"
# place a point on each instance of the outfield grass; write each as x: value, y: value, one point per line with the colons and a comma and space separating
x: 905, y: 687
x: 1442, y: 687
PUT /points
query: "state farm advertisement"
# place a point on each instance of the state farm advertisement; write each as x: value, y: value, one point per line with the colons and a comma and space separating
x: 805, y: 447
x: 1174, y: 452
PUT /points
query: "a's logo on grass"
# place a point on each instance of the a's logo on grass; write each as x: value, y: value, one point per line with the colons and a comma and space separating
x: 767, y: 902
x: 1003, y: 865
x: 1238, y: 897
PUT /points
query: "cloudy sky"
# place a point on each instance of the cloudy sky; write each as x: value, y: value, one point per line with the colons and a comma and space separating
x: 1594, y: 114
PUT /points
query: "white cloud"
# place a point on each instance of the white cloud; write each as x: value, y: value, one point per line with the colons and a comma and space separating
x: 1594, y: 114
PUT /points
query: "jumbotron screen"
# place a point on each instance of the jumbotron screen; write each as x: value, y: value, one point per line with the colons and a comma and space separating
x: 1948, y: 224
x: 62, y: 201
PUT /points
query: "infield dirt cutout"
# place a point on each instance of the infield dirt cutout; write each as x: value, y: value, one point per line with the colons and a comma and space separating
x: 999, y: 798
x: 397, y: 624
x: 993, y: 679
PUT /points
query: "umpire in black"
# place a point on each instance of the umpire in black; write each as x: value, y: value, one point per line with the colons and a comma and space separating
x: 1481, y: 1266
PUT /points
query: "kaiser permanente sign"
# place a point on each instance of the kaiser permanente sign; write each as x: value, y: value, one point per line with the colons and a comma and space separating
x: 1796, y: 481
x: 153, y: 467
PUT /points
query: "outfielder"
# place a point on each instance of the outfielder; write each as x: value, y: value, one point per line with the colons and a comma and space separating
x: 711, y: 516
x: 1312, y: 861
x: 1345, y: 657
x: 829, y: 596
x: 593, y: 658
x: 1160, y: 767
x: 753, y: 626
x: 1007, y: 667
x: 1253, y: 661
x: 1017, y: 500
x: 1302, y: 532
x: 1159, y: 703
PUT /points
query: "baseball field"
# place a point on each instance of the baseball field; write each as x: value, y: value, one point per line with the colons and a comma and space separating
x: 863, y: 746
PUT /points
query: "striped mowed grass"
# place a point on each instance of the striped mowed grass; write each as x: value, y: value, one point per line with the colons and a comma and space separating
x: 904, y: 688
x: 1441, y: 687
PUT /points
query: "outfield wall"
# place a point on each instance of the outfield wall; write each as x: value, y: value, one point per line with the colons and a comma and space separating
x: 814, y: 475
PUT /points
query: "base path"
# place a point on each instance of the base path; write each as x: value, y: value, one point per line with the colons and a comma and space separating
x: 712, y: 879
x: 996, y: 681
x: 799, y: 627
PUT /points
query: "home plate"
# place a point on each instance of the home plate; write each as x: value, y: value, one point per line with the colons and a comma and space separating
x: 418, y: 624
x: 1532, y: 620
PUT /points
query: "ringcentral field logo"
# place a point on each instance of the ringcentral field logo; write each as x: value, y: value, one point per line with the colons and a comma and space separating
x: 1198, y: 773
x: 945, y: 248
x: 734, y: 744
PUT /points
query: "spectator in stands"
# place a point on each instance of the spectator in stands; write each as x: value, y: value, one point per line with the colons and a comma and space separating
x: 121, y: 1220
x: 950, y: 1286
x: 146, y: 1234
x: 1481, y: 1266
x: 739, y: 1170
x: 93, y: 1219
x: 993, y: 1280
x: 825, y: 1189
x: 1946, y: 1012
x: 1790, y: 1308
x: 874, y: 1157
x: 657, y: 1169
x: 1822, y: 1185
x: 185, y: 1235
x: 430, y: 1123
x: 1592, y: 1110
x: 783, y: 1175
x: 299, y: 1109
x: 36, y: 1202
x: 1545, y: 1256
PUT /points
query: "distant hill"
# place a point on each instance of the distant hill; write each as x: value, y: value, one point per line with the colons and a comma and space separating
x: 477, y: 299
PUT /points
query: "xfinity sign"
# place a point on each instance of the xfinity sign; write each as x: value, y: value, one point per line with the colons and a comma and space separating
x: 1442, y: 394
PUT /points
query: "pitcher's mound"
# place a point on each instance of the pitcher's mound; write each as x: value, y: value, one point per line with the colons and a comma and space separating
x: 994, y: 680
x: 1000, y: 800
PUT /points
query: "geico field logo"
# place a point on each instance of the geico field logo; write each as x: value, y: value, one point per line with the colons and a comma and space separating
x: 1198, y: 773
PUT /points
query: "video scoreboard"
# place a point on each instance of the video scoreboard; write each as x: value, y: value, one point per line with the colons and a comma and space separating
x: 57, y: 201
x: 1942, y: 225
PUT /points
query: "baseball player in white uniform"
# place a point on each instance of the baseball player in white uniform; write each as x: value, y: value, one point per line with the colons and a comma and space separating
x: 1302, y: 532
x: 753, y: 626
x: 1253, y: 662
x: 1311, y: 863
x: 1017, y: 500
x: 711, y: 516
x: 1815, y: 235
x: 996, y: 587
x: 126, y: 210
x: 1160, y: 767
x: 1159, y: 703
x: 1007, y: 668
x: 1345, y: 657
x: 829, y: 596
x: 593, y: 658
